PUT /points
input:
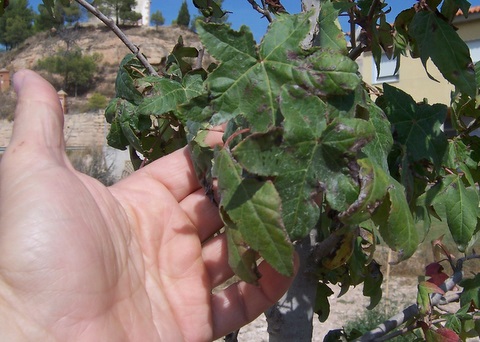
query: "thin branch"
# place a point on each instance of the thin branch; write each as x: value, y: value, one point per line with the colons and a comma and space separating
x: 199, y: 61
x: 262, y: 11
x: 109, y: 22
x: 353, y: 38
x: 357, y: 51
x: 371, y: 11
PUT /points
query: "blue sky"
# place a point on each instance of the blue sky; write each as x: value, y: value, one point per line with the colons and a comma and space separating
x: 243, y: 13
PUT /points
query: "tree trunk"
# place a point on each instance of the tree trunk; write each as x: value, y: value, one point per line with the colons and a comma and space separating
x: 291, y: 318
x: 311, y: 5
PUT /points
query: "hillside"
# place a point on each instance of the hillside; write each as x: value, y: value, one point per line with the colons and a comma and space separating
x: 156, y: 44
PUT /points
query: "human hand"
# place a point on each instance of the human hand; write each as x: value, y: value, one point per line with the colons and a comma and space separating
x: 79, y: 261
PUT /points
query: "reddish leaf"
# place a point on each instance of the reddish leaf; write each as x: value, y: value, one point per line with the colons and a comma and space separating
x: 431, y: 287
x: 444, y: 335
x: 434, y: 271
x: 433, y: 268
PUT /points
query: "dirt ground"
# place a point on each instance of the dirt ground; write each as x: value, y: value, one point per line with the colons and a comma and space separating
x: 401, y: 293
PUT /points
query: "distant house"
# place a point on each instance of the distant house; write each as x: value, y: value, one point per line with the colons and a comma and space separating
x: 4, y: 80
x: 412, y: 77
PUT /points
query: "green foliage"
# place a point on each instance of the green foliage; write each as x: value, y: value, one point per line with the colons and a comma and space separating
x: 183, y: 18
x: 121, y: 10
x: 76, y: 70
x: 210, y: 11
x: 157, y: 18
x: 16, y: 23
x: 97, y: 101
x: 64, y: 12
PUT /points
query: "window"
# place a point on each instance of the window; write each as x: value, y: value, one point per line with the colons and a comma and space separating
x: 387, y: 71
x: 474, y: 47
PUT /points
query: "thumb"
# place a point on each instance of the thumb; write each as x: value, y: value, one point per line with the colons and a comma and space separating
x: 38, y: 125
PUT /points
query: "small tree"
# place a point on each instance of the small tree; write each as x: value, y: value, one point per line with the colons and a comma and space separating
x: 64, y: 12
x: 16, y: 24
x: 118, y: 9
x: 97, y: 101
x: 183, y: 18
x: 76, y: 70
x: 157, y: 19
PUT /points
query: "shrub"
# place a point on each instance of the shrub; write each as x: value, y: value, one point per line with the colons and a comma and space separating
x: 97, y: 101
x: 92, y: 161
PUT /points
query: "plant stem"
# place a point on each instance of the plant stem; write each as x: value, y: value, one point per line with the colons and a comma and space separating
x: 261, y: 10
x: 110, y: 23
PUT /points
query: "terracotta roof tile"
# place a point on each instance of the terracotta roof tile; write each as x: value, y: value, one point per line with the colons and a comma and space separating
x: 472, y: 10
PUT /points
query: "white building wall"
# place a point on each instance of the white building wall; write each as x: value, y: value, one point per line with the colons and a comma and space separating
x: 143, y: 7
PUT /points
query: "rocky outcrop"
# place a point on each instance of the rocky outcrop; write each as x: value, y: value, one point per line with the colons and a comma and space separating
x: 154, y: 43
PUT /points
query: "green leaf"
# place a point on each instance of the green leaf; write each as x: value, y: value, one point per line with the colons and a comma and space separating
x: 126, y: 125
x: 380, y: 146
x: 374, y: 184
x: 439, y: 42
x: 425, y: 288
x: 327, y: 73
x: 306, y: 161
x: 471, y: 292
x: 450, y: 8
x: 401, y: 38
x: 372, y: 286
x: 178, y: 55
x: 322, y: 305
x: 202, y: 155
x: 209, y: 8
x: 253, y: 208
x: 461, y: 208
x: 169, y: 94
x: 125, y: 84
x: 418, y: 127
x: 241, y: 257
x: 330, y: 34
x: 115, y: 137
x: 395, y: 222
x: 248, y: 81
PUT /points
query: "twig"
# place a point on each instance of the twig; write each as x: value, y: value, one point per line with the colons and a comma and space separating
x: 353, y: 38
x: 199, y: 61
x: 107, y: 21
x: 357, y: 51
x: 371, y: 11
x: 263, y: 11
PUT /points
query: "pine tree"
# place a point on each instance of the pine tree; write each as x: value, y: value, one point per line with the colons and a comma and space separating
x: 157, y: 19
x: 16, y: 23
x: 183, y: 18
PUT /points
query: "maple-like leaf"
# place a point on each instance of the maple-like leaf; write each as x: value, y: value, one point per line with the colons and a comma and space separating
x: 248, y: 80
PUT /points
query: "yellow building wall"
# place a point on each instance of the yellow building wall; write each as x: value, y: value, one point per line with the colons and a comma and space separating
x: 413, y: 78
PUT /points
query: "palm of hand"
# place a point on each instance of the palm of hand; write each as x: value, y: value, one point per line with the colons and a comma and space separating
x: 79, y: 261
